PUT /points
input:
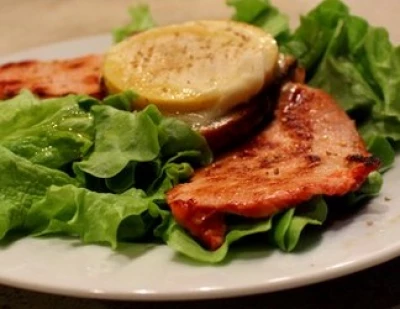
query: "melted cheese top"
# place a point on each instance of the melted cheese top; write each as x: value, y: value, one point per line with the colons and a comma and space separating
x: 205, y: 67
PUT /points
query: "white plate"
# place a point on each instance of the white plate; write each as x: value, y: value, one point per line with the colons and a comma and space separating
x: 155, y: 273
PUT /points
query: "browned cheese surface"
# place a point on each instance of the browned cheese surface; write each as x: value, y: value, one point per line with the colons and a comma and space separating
x: 310, y: 148
x: 52, y: 78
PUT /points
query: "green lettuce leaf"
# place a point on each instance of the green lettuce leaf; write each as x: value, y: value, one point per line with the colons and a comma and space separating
x: 121, y: 137
x: 370, y: 188
x: 23, y: 183
x: 170, y: 175
x: 382, y: 149
x: 179, y: 137
x: 123, y: 153
x: 336, y: 71
x: 178, y: 239
x: 311, y: 39
x: 123, y: 180
x: 49, y: 132
x: 123, y: 101
x: 263, y: 14
x: 94, y: 217
x: 288, y: 226
x: 141, y: 20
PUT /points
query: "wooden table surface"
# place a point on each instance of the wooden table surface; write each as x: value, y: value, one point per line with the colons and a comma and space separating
x: 28, y: 23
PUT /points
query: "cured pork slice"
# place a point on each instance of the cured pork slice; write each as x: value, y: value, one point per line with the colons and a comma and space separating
x: 310, y: 148
x: 55, y: 78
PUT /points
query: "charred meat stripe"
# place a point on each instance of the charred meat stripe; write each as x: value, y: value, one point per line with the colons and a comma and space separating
x: 310, y: 148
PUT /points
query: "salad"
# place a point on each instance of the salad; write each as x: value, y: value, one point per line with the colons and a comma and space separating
x: 70, y: 165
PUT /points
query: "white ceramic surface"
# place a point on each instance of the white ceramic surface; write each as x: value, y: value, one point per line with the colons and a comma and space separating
x: 147, y: 272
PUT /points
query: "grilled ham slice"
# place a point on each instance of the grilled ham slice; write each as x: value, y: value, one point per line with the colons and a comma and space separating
x: 310, y: 148
x: 52, y: 78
